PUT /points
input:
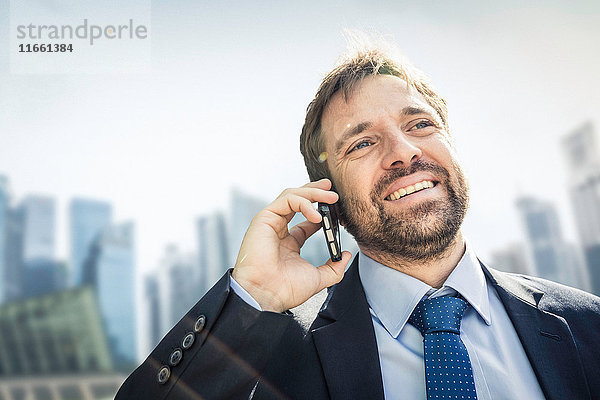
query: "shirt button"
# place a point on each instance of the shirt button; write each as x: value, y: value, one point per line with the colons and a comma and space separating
x: 163, y: 375
x: 176, y: 357
x: 199, y: 325
x: 188, y: 341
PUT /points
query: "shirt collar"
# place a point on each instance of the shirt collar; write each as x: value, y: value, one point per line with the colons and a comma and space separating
x: 392, y: 295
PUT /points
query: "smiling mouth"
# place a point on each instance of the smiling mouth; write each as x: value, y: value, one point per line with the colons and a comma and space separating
x: 405, y: 191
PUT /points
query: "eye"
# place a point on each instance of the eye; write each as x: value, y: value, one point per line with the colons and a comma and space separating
x: 422, y: 127
x: 423, y: 124
x: 360, y: 145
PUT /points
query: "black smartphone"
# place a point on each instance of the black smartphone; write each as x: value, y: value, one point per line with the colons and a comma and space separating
x: 331, y: 227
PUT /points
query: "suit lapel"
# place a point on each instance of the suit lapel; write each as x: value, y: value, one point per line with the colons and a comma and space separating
x: 351, y: 365
x: 345, y: 340
x: 546, y: 338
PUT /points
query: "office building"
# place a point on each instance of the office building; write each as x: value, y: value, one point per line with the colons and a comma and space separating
x: 243, y: 207
x: 13, y: 254
x: 88, y: 218
x: 110, y: 269
x: 4, y: 208
x: 53, y: 334
x: 553, y: 258
x: 54, y: 347
x: 152, y: 310
x: 38, y: 246
x: 178, y: 287
x: 214, y: 254
x: 582, y: 153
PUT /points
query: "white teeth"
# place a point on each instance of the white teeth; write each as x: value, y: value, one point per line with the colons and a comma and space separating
x: 410, y: 189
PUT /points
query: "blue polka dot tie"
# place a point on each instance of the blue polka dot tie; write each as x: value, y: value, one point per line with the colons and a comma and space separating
x: 448, y: 372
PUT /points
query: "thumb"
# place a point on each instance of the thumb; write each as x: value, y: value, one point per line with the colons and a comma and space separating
x: 331, y: 272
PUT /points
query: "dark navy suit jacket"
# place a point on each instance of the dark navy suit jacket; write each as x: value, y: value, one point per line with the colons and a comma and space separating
x: 242, y: 353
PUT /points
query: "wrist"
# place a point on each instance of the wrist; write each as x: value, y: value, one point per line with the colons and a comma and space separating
x: 264, y: 299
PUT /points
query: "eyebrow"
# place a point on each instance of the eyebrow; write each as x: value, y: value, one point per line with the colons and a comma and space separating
x: 350, y: 133
x: 363, y: 126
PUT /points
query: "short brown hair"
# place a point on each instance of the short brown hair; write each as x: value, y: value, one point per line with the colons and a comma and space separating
x: 345, y: 76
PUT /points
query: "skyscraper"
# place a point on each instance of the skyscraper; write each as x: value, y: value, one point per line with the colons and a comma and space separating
x: 110, y: 269
x: 213, y: 251
x: 13, y: 273
x: 552, y: 256
x: 87, y: 220
x: 243, y: 208
x: 39, y: 269
x: 4, y: 207
x: 152, y: 310
x: 582, y: 153
x: 178, y: 286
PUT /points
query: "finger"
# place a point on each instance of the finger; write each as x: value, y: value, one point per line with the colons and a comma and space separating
x: 291, y: 200
x: 303, y: 231
x: 324, y: 184
x: 331, y: 272
x: 293, y: 204
x: 303, y: 206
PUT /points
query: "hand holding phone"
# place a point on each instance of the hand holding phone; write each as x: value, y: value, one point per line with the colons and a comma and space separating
x: 269, y: 266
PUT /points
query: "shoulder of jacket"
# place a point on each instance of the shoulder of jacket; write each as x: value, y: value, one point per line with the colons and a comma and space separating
x: 558, y: 298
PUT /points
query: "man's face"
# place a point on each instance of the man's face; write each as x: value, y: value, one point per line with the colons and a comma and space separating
x: 388, y: 142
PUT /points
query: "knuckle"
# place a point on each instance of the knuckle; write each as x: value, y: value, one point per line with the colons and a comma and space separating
x: 285, y: 192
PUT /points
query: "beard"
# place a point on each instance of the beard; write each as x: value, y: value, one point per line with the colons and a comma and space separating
x: 420, y: 232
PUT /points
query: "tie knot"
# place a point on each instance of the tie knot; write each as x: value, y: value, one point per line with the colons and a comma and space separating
x: 441, y: 314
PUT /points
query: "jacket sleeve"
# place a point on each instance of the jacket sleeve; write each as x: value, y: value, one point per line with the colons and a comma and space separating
x: 217, y: 351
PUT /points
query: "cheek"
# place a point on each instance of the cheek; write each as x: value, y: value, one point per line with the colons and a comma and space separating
x: 355, y: 182
x: 442, y: 151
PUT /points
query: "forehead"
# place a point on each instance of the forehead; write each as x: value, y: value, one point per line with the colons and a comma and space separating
x: 375, y: 97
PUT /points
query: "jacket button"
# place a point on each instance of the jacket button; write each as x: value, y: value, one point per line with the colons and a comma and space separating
x: 176, y: 357
x: 199, y: 325
x: 188, y: 341
x: 163, y: 375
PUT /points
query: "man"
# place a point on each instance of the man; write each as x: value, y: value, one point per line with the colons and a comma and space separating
x: 416, y: 315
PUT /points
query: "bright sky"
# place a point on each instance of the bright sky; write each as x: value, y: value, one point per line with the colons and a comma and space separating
x: 230, y: 82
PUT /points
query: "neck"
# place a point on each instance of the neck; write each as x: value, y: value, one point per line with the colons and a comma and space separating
x: 434, y: 271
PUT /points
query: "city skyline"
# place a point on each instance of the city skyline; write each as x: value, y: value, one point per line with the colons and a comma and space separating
x: 105, y: 211
x: 169, y: 144
x: 86, y: 214
x: 180, y: 277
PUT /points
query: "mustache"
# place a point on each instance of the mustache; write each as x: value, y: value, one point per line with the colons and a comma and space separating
x: 395, y: 174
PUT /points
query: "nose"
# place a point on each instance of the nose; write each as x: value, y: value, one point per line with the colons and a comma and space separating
x: 400, y: 152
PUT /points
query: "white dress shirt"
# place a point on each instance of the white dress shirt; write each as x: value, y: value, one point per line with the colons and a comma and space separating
x: 501, y: 369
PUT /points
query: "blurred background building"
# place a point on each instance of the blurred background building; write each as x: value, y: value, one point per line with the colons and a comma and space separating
x: 177, y: 285
x: 582, y: 153
x: 110, y: 270
x: 214, y: 256
x: 552, y: 257
x: 39, y: 268
x: 55, y: 347
x: 88, y: 218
